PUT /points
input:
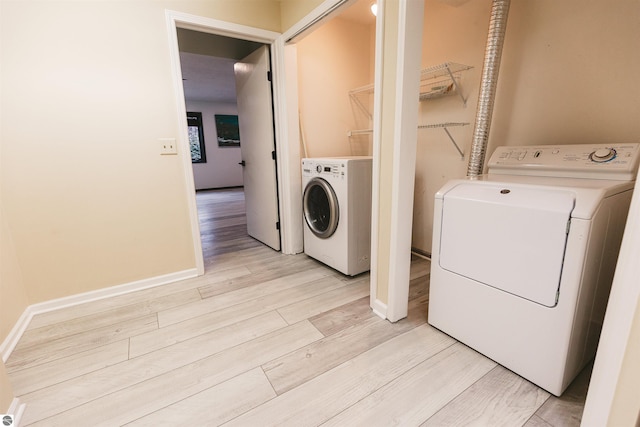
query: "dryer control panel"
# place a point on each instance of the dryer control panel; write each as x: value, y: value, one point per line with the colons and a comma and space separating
x: 593, y: 161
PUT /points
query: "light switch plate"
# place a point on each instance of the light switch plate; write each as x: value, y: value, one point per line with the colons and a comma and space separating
x: 168, y: 146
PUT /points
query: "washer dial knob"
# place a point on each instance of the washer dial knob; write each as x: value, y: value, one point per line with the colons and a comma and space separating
x: 603, y: 155
x: 319, y: 168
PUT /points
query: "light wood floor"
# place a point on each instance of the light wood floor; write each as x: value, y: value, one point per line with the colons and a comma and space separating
x: 265, y: 339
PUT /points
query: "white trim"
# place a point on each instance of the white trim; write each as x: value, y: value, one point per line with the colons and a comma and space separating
x: 624, y: 301
x: 182, y: 142
x: 379, y: 308
x: 11, y: 340
x: 16, y: 409
x: 222, y: 28
x: 375, y: 180
x: 288, y: 152
x: 409, y: 54
x: 23, y: 322
x: 323, y: 11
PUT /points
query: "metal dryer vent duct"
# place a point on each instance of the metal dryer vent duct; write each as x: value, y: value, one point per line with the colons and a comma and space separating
x: 486, y: 98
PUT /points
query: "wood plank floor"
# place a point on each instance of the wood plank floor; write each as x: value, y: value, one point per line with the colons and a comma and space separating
x: 265, y: 339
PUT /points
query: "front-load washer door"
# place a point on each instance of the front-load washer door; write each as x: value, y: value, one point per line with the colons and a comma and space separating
x: 321, y: 210
x: 511, y: 238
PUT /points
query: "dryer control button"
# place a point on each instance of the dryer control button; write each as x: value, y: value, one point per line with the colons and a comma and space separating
x: 319, y: 168
x: 603, y: 154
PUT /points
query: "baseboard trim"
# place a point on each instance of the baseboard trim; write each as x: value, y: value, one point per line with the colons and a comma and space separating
x: 421, y: 253
x: 219, y: 188
x: 379, y: 308
x: 16, y: 332
x: 21, y: 325
x: 16, y: 409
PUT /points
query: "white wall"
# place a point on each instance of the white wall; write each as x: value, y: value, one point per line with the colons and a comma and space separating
x: 568, y: 75
x: 222, y: 168
x: 451, y: 34
x: 333, y: 60
x: 90, y: 202
x: 87, y: 92
x: 613, y: 398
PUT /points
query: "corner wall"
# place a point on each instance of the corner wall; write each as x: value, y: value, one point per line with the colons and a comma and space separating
x: 13, y: 302
x: 293, y: 11
x: 6, y: 391
x: 333, y: 60
x: 625, y: 409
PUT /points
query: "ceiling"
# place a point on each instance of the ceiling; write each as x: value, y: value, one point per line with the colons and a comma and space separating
x: 208, y: 78
x: 207, y: 59
x: 359, y: 12
x: 207, y: 64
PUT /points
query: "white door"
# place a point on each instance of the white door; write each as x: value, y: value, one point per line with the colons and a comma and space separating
x: 257, y: 144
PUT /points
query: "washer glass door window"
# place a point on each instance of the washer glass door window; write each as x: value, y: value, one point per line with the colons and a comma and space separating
x: 321, y: 211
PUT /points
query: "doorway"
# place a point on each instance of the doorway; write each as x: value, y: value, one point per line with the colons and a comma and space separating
x: 286, y: 114
x: 219, y: 74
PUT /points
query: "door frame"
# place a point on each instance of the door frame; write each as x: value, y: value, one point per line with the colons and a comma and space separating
x: 177, y: 20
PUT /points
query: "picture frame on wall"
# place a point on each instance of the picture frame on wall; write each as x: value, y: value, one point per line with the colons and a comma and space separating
x: 196, y: 137
x: 227, y: 130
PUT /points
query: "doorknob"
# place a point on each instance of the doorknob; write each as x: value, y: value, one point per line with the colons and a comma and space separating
x: 242, y: 163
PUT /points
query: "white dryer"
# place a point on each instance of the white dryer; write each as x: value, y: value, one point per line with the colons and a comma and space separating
x: 523, y: 257
x: 337, y: 212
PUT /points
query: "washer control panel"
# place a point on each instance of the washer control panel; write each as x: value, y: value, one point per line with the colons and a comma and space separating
x: 320, y: 167
x: 594, y: 161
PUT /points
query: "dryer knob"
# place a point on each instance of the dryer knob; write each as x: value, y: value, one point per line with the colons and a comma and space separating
x: 319, y: 168
x: 603, y: 155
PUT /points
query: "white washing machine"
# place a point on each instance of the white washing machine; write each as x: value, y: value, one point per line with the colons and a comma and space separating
x: 523, y: 257
x: 337, y: 212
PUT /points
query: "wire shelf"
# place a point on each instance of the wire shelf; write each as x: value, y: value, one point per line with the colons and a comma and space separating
x: 445, y: 126
x: 441, y: 80
x: 362, y: 89
x: 444, y: 69
x: 359, y: 132
x: 436, y: 81
x: 442, y: 125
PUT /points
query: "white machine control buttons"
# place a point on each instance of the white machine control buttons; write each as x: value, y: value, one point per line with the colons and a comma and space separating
x: 594, y: 161
x: 323, y: 169
x: 603, y: 155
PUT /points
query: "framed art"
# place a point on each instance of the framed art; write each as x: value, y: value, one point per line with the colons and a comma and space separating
x: 228, y: 131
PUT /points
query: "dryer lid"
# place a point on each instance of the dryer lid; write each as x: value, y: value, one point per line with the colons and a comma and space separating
x: 511, y: 238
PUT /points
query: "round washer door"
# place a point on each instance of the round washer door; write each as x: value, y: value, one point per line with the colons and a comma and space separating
x: 321, y: 211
